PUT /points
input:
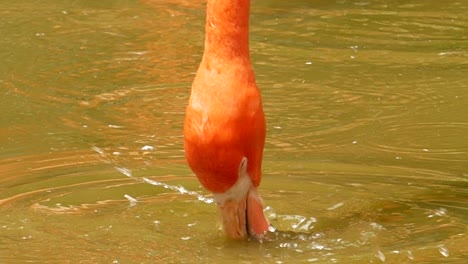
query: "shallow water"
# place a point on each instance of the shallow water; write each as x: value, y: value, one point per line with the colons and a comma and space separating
x: 366, y: 159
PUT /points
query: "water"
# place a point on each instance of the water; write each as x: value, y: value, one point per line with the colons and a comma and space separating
x: 366, y: 153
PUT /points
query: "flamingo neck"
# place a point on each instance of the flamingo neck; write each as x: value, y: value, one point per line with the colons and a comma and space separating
x: 227, y: 30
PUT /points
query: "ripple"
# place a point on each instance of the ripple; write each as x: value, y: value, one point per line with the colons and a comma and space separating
x: 79, y: 182
x: 337, y: 95
x: 434, y: 141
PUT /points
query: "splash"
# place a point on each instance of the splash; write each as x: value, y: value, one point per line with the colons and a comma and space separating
x: 179, y: 189
x: 132, y: 200
x: 127, y: 172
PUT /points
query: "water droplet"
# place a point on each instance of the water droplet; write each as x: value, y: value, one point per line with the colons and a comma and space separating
x: 147, y: 148
x: 354, y: 48
x: 444, y: 251
x: 438, y: 212
x: 132, y: 200
x: 317, y: 246
x: 269, y: 212
x: 410, y: 255
x: 336, y: 206
x: 376, y: 226
x: 124, y: 171
x: 380, y: 255
x: 441, y: 212
x: 285, y: 245
x: 98, y: 150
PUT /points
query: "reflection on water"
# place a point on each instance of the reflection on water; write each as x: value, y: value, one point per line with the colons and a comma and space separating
x: 365, y: 160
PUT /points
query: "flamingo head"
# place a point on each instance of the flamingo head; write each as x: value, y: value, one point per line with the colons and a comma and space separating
x: 241, y: 208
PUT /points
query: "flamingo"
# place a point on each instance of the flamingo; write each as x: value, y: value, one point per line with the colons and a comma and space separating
x: 224, y: 127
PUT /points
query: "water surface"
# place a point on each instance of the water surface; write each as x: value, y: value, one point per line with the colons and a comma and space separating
x: 366, y: 159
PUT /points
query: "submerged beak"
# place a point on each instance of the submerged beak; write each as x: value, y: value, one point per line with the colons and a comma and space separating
x: 244, y: 217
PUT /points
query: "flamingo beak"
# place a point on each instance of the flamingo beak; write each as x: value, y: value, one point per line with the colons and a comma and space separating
x: 244, y: 217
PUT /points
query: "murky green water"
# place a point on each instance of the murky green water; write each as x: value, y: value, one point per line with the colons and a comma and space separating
x: 366, y: 159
